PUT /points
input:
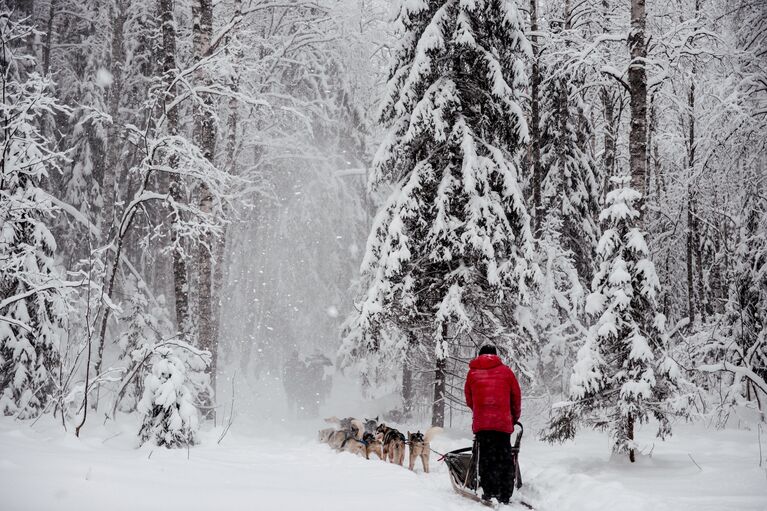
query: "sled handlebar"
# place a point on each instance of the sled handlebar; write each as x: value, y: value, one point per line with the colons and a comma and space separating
x: 519, y: 435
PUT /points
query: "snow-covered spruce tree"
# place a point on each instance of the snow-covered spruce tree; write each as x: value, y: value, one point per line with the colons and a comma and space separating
x: 452, y: 244
x: 623, y: 374
x: 174, y: 383
x: 570, y: 185
x: 32, y: 302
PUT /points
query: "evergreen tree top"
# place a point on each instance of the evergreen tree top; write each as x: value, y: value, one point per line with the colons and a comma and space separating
x: 453, y: 240
x: 457, y: 63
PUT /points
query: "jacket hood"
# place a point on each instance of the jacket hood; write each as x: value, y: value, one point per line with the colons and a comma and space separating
x: 485, y: 362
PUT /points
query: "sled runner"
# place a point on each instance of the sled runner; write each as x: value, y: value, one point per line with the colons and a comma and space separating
x: 462, y: 468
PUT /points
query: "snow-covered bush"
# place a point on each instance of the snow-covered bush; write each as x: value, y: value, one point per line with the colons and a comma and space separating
x: 172, y: 385
x: 145, y: 323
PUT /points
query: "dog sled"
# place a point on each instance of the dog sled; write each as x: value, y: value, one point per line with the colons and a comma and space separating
x: 462, y: 467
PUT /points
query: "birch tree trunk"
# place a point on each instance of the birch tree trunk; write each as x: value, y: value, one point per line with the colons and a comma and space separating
x: 696, y: 235
x: 231, y: 157
x: 694, y: 258
x: 113, y: 145
x: 407, y: 376
x: 407, y: 388
x: 438, y: 406
x: 440, y: 377
x: 180, y: 279
x: 637, y: 78
x: 110, y: 164
x: 205, y: 135
x: 702, y: 301
x: 690, y: 206
x: 638, y: 134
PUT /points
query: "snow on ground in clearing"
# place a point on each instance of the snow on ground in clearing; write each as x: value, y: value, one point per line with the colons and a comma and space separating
x: 283, y: 468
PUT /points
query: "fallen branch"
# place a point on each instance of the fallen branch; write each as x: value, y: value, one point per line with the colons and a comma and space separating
x: 230, y: 420
x: 696, y: 463
x: 111, y: 437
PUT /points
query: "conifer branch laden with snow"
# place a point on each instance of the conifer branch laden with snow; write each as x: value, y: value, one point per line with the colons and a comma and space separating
x: 555, y: 317
x: 623, y: 374
x: 453, y: 241
x: 570, y: 185
x: 33, y: 298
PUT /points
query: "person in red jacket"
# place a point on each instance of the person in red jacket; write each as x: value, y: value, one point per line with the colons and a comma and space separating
x: 493, y: 394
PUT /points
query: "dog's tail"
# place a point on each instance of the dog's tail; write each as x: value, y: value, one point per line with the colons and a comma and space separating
x: 356, y: 423
x: 431, y: 433
x: 333, y: 420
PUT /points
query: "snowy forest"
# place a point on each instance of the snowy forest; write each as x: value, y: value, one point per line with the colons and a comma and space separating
x: 225, y: 220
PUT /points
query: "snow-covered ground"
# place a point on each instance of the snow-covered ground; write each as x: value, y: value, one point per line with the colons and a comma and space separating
x: 282, y: 467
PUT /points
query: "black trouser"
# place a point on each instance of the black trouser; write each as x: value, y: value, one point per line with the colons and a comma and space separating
x: 496, y: 470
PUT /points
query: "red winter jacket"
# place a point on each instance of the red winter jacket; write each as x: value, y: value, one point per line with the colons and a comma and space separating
x: 492, y: 392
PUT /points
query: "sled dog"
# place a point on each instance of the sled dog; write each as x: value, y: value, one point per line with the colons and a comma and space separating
x: 373, y: 445
x: 393, y: 444
x: 354, y: 446
x: 419, y: 446
x: 338, y: 439
x: 324, y: 435
x: 370, y: 425
x: 355, y: 426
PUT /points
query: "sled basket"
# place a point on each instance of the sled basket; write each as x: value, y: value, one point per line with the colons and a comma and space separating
x: 462, y: 469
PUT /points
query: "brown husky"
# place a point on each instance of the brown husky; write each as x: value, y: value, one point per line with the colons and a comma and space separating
x: 393, y: 444
x: 419, y: 446
x: 355, y: 446
x: 348, y: 438
x: 338, y: 439
x: 372, y: 445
